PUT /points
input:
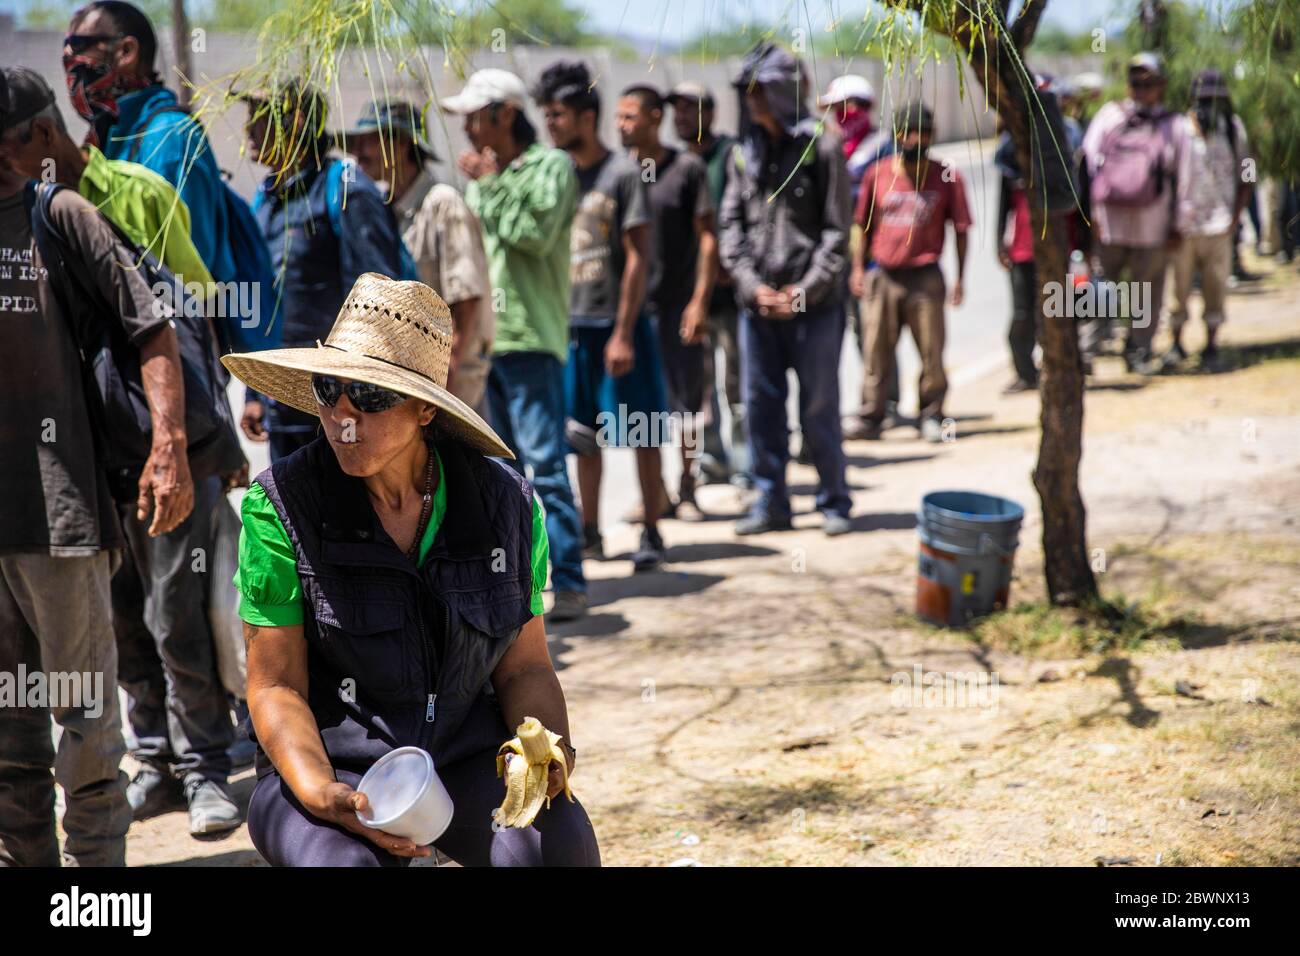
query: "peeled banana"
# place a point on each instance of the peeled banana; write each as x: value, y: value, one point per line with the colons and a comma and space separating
x: 530, y: 754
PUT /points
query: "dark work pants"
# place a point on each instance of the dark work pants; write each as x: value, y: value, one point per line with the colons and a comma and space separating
x: 525, y: 393
x: 724, y: 337
x: 810, y: 344
x: 176, y: 704
x: 1024, y: 326
x: 286, y: 834
x: 54, y: 617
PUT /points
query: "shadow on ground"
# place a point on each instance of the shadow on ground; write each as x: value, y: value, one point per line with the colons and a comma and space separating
x: 663, y: 583
x: 233, y: 858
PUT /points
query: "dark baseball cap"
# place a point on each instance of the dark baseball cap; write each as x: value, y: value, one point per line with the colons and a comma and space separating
x: 914, y: 116
x: 389, y: 118
x: 1209, y: 83
x: 23, y: 94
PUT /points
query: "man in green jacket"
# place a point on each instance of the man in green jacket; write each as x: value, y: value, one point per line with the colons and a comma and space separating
x: 159, y: 603
x: 525, y: 197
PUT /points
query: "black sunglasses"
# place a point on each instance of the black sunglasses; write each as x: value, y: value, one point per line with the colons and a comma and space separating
x: 363, y: 396
x: 82, y: 41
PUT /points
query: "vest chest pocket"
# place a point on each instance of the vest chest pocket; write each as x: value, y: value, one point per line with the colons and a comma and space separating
x: 372, y: 642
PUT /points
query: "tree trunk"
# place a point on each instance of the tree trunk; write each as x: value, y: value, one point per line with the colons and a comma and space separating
x: 1070, y: 580
x: 1056, y: 475
x: 182, y: 63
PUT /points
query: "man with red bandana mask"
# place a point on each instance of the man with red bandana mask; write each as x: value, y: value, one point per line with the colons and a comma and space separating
x: 848, y: 101
x: 108, y: 60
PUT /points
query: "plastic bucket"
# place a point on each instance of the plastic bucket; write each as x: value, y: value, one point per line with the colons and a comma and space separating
x: 406, y: 796
x: 968, y: 544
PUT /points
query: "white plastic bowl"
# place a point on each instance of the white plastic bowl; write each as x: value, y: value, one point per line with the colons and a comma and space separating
x: 406, y: 796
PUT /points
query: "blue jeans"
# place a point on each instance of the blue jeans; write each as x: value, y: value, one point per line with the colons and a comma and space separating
x: 526, y: 399
x: 810, y: 344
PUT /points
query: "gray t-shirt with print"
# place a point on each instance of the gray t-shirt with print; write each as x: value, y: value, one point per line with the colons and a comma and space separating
x: 611, y: 200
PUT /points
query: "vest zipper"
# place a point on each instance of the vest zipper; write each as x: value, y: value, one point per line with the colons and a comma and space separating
x: 429, y: 656
x: 428, y: 671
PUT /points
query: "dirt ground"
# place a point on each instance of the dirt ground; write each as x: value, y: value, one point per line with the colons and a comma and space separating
x: 742, y: 706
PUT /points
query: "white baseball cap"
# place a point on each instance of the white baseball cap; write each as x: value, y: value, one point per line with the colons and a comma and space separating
x: 850, y: 86
x: 485, y: 88
x: 1089, y: 82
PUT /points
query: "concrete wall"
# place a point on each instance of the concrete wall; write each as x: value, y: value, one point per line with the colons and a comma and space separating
x: 957, y: 118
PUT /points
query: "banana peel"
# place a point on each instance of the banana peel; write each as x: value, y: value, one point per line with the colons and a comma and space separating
x: 525, y: 762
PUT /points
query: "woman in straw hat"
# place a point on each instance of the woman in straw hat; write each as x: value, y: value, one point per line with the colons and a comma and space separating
x: 390, y: 578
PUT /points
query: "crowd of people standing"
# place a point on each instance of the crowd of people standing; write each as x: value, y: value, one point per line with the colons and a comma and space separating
x: 585, y: 281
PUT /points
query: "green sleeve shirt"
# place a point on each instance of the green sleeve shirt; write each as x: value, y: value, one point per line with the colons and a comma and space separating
x: 526, y: 211
x: 270, y: 594
x: 145, y: 207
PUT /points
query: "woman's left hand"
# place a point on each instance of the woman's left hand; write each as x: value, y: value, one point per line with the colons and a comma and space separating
x: 554, y: 780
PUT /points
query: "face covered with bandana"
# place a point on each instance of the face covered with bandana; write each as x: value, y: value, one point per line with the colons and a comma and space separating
x: 100, y: 66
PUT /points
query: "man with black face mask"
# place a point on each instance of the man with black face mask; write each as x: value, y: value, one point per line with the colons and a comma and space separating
x: 1209, y: 214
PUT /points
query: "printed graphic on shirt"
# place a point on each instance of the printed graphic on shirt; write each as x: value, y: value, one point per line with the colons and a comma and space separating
x: 18, y: 278
x: 915, y: 209
x: 612, y: 200
x: 590, y: 244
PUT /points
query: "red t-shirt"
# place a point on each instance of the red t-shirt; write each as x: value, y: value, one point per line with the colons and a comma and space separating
x: 1022, y: 233
x: 907, y: 224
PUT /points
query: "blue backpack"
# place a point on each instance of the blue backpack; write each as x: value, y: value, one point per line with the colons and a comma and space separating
x: 334, y: 177
x: 252, y: 262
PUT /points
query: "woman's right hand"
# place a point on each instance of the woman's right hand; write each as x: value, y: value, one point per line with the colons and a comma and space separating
x: 338, y: 803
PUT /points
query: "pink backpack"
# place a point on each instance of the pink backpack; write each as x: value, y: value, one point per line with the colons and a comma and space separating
x: 1130, y: 163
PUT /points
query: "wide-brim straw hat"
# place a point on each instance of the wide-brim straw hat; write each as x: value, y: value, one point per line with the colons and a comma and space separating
x: 389, y: 333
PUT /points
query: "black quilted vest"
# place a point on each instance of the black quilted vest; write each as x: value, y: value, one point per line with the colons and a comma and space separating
x: 399, y: 655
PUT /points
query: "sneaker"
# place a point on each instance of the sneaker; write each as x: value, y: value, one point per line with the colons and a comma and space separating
x: 1170, y: 360
x: 1018, y: 386
x: 836, y: 525
x: 568, y: 606
x: 932, y: 430
x: 1138, y: 361
x: 211, y: 809
x: 861, y: 429
x: 650, y: 555
x: 1211, y: 360
x: 759, y: 523
x: 892, y: 418
x: 151, y: 793
x: 592, y: 545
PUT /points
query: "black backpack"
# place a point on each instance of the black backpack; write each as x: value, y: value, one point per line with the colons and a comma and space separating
x: 111, y: 362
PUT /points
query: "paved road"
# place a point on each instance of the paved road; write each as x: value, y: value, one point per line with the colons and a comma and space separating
x: 976, y: 343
